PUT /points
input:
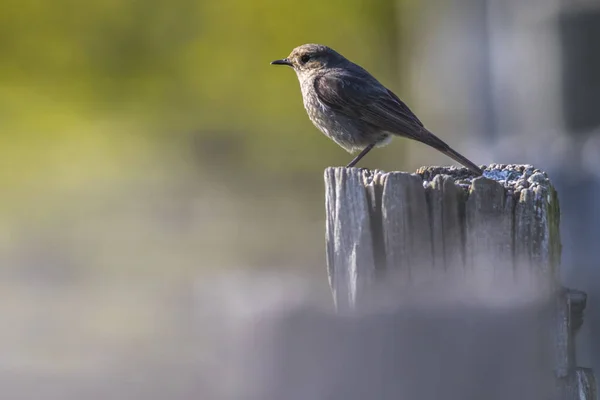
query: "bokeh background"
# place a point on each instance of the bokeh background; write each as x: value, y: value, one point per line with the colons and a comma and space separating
x: 147, y: 146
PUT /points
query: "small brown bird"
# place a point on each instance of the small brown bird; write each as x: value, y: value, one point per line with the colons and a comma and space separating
x: 352, y: 108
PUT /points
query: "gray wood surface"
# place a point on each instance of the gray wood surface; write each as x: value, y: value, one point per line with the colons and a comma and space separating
x: 503, y: 225
x: 441, y: 222
x: 447, y: 229
x: 350, y: 255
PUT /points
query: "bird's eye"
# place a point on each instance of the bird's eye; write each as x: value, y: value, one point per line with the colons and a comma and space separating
x: 305, y: 58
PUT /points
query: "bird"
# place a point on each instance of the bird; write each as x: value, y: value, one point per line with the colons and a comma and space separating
x: 354, y: 109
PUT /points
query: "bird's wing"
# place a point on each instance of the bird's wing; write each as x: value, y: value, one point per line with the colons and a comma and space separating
x: 358, y: 97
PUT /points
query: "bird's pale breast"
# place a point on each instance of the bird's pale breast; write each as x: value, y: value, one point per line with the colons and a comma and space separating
x: 350, y: 134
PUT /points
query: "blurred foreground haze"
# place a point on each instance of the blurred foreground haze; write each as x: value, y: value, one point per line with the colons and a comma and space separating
x: 149, y: 151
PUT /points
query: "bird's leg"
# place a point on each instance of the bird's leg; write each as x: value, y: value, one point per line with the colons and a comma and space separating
x: 360, y: 155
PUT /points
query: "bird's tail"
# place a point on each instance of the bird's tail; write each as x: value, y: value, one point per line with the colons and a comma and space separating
x: 441, y: 146
x: 462, y: 160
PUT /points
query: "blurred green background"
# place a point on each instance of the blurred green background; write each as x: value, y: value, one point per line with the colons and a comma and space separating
x: 147, y: 147
x: 175, y: 103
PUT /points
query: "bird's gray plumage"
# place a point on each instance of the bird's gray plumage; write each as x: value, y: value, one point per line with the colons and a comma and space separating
x: 354, y: 109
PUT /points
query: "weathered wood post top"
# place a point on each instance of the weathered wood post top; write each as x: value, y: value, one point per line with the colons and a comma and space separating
x: 438, y: 219
x: 502, y: 227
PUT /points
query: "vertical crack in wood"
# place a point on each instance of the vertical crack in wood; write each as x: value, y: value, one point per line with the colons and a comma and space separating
x: 406, y: 226
x: 447, y: 217
x: 433, y: 197
x: 462, y: 198
x: 513, y: 234
x: 374, y: 182
x: 488, y: 250
x: 330, y: 217
x: 349, y: 237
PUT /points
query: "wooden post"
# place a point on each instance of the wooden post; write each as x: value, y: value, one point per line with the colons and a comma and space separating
x: 441, y: 222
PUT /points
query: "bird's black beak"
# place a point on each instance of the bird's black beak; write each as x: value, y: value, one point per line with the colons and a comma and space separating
x: 285, y: 61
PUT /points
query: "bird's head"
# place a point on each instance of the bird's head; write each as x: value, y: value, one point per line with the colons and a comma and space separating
x: 311, y: 57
